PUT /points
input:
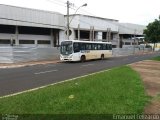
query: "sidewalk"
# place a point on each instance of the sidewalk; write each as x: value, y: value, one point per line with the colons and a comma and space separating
x: 23, y: 64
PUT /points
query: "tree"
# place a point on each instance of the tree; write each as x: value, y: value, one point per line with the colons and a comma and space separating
x: 152, y: 32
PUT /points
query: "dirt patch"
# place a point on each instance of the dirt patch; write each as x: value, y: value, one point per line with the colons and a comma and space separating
x: 153, y: 107
x: 150, y: 73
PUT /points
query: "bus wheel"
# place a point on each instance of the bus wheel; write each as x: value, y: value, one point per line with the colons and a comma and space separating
x: 102, y: 57
x: 83, y: 58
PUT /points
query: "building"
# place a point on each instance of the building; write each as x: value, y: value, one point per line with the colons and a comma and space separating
x: 131, y: 34
x: 93, y: 28
x: 31, y: 27
x: 30, y: 34
x: 84, y: 27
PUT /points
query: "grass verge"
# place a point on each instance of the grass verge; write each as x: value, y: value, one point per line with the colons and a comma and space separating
x: 118, y: 91
x: 156, y: 58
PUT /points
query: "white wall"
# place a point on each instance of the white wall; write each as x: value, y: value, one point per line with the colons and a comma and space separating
x: 99, y: 24
x: 11, y: 15
x: 62, y: 36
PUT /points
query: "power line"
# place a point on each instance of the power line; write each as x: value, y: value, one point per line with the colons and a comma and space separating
x: 85, y: 11
x: 58, y: 3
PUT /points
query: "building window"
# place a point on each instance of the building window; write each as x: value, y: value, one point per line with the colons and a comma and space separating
x: 104, y: 35
x: 114, y: 46
x: 83, y: 34
x: 55, y: 37
x: 134, y: 43
x: 26, y: 42
x: 33, y: 30
x: 7, y: 29
x: 127, y: 43
x: 46, y: 42
x: 6, y: 41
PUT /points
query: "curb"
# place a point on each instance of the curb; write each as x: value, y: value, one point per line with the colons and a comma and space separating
x: 12, y: 65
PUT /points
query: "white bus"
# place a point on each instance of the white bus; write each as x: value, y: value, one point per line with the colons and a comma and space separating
x: 76, y: 50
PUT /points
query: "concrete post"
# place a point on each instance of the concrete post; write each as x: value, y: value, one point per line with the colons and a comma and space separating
x: 78, y: 31
x: 52, y: 38
x: 16, y: 36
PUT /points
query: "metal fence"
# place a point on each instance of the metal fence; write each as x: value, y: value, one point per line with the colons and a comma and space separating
x: 25, y: 54
x: 129, y: 51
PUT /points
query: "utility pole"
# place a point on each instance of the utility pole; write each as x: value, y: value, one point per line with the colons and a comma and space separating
x: 68, y: 22
x: 68, y: 4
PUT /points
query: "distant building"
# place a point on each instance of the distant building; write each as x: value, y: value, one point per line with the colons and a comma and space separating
x: 30, y: 34
x: 131, y: 34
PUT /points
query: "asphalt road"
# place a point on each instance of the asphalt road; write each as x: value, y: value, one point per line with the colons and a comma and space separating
x: 14, y: 80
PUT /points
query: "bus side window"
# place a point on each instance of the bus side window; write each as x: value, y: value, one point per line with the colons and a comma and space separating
x: 94, y: 46
x: 88, y: 46
x: 103, y: 47
x: 82, y: 46
x: 99, y: 46
x: 76, y: 47
x: 107, y: 47
x: 110, y: 47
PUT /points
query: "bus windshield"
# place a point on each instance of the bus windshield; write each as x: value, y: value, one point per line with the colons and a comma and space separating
x: 66, y: 48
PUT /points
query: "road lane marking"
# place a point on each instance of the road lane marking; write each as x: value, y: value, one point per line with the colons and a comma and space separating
x: 50, y: 66
x: 43, y: 72
x: 87, y: 65
x: 125, y: 59
x: 72, y: 79
x: 109, y: 61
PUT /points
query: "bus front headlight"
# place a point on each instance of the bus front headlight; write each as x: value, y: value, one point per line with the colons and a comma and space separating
x: 70, y: 56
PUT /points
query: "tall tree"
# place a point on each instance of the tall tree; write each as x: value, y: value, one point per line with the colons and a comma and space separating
x: 152, y: 32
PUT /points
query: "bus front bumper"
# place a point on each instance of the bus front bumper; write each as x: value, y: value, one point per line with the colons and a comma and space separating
x: 66, y: 58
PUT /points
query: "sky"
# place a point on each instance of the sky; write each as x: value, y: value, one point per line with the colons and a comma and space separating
x: 126, y: 11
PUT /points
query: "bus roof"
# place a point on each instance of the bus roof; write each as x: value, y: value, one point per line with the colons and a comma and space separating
x: 82, y: 41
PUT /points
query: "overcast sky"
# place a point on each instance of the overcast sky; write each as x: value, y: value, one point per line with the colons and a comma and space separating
x: 130, y: 11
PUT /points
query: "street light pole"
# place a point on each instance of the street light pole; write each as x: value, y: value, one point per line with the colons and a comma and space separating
x: 68, y: 4
x: 68, y: 22
x: 77, y: 10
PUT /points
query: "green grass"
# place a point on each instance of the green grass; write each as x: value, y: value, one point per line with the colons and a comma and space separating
x: 118, y: 91
x: 156, y: 58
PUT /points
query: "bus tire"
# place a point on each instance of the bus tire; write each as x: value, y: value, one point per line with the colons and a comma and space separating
x: 102, y: 57
x: 83, y: 58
